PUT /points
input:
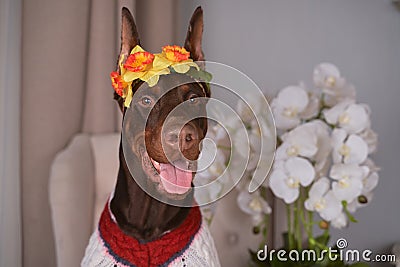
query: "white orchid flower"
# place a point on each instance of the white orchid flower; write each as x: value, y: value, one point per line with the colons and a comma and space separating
x: 248, y: 151
x: 342, y: 92
x: 219, y: 136
x: 371, y: 138
x: 332, y: 114
x: 369, y: 182
x: 288, y: 105
x: 218, y: 166
x: 348, y: 185
x: 340, y: 221
x: 311, y: 140
x: 253, y: 204
x: 215, y: 147
x: 265, y: 126
x: 313, y: 107
x: 348, y: 149
x: 255, y: 151
x: 354, y: 118
x: 325, y: 75
x: 237, y: 140
x: 356, y: 204
x: 322, y: 200
x: 371, y: 165
x: 248, y: 112
x: 321, y: 130
x: 322, y: 167
x: 211, y: 165
x: 301, y: 141
x: 209, y: 195
x: 370, y: 177
x: 327, y: 78
x: 285, y: 182
x: 318, y: 132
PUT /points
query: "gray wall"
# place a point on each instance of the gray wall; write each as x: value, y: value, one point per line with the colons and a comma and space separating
x: 284, y: 40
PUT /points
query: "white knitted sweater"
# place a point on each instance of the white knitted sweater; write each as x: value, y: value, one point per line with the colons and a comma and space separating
x: 200, y: 252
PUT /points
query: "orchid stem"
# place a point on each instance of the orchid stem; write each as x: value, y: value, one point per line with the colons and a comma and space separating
x: 297, y: 223
x: 289, y: 226
x: 266, y: 225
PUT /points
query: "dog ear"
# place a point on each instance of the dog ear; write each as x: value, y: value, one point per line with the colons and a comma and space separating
x: 195, y: 35
x: 129, y: 33
x: 129, y: 39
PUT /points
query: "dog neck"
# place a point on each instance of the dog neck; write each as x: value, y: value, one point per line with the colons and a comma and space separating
x: 138, y: 214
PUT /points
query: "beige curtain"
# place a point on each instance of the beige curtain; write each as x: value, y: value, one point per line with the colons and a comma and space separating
x: 68, y: 51
x: 10, y: 197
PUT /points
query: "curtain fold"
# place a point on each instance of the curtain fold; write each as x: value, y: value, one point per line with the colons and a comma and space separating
x: 54, y: 56
x: 100, y: 110
x: 156, y: 24
x: 69, y: 49
x: 10, y: 201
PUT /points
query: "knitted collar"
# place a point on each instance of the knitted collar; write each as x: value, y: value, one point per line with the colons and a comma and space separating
x: 134, y: 253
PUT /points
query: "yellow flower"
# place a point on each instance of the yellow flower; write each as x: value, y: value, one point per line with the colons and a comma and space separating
x: 176, y: 57
x: 129, y: 96
x: 140, y: 65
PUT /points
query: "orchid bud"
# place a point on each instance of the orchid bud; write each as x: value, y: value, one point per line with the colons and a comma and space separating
x: 256, y: 230
x: 323, y: 225
x: 362, y: 199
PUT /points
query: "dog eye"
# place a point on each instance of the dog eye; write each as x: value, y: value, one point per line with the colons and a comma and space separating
x: 193, y: 99
x: 146, y: 101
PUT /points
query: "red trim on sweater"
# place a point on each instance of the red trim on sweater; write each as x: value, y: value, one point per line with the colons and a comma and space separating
x: 153, y: 253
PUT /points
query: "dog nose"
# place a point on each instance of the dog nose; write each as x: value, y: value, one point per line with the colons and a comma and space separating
x: 186, y: 138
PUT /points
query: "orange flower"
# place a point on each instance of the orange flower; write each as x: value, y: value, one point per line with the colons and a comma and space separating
x: 118, y: 83
x: 175, y: 57
x: 138, y: 61
x: 175, y: 53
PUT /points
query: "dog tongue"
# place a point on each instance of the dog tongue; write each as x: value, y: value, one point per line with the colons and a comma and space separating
x: 176, y: 180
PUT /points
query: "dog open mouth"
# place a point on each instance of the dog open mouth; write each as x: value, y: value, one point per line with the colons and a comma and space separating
x: 173, y: 178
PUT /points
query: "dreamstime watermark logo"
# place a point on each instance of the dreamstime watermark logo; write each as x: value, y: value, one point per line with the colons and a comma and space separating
x: 339, y: 252
x: 228, y: 86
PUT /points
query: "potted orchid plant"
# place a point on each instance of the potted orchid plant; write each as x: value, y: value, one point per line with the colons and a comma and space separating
x: 322, y: 169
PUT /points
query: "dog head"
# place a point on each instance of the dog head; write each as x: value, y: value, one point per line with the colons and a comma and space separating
x: 165, y: 123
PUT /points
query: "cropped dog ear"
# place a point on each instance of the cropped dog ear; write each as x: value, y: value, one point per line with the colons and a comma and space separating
x: 129, y: 39
x: 194, y: 35
x: 129, y: 34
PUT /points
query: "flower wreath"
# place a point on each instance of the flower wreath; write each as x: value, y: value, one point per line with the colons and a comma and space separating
x: 147, y: 67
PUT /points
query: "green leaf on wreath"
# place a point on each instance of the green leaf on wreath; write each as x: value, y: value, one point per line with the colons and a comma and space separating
x: 201, y: 75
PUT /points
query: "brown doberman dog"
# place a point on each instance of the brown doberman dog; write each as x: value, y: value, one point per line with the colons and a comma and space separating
x: 136, y: 228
